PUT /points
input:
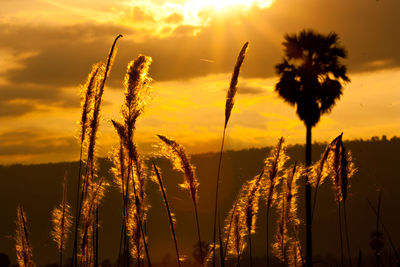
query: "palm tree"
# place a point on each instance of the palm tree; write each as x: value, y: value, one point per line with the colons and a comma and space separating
x: 311, y: 78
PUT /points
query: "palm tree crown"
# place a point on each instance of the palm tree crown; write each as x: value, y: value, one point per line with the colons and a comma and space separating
x: 311, y: 75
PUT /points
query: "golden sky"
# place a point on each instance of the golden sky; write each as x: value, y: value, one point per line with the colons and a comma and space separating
x: 47, y: 48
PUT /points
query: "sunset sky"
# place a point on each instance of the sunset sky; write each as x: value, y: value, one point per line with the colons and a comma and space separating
x: 47, y: 48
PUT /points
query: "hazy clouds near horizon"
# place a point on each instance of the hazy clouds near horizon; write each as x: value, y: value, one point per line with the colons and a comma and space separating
x: 46, y: 49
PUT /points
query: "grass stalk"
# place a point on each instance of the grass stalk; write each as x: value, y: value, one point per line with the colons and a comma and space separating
x: 217, y: 189
x: 198, y: 233
x: 359, y: 261
x: 62, y: 221
x: 177, y: 153
x: 377, y: 253
x: 347, y: 232
x: 230, y: 227
x: 250, y: 249
x: 230, y: 100
x: 396, y: 253
x: 238, y: 260
x: 267, y: 217
x: 139, y: 219
x: 341, y: 235
x: 22, y: 244
x: 171, y: 221
x: 221, y: 246
x: 96, y: 227
x: 93, y: 125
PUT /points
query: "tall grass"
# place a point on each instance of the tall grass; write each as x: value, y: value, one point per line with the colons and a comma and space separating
x: 385, y: 229
x: 22, y: 243
x: 342, y: 169
x: 321, y: 170
x: 170, y: 215
x: 277, y: 185
x: 177, y: 154
x: 230, y: 100
x: 129, y: 167
x: 335, y: 162
x: 250, y: 203
x: 62, y: 222
x: 91, y: 106
x: 235, y: 231
x: 274, y: 167
x: 286, y: 246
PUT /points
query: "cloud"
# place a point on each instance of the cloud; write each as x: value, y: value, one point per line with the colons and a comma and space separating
x: 46, y: 61
x: 250, y: 90
x: 65, y: 53
x: 36, y: 145
x: 174, y: 18
x: 20, y: 99
x: 10, y: 109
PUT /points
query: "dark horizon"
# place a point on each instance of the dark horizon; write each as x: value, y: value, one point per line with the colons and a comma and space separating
x: 375, y: 161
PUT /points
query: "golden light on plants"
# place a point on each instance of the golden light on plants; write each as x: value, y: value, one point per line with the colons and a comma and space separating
x: 217, y: 76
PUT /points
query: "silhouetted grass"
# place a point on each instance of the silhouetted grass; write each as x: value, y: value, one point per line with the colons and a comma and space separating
x: 276, y: 184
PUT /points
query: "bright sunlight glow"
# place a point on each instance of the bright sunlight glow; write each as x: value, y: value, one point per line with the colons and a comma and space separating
x: 221, y: 4
x: 197, y: 13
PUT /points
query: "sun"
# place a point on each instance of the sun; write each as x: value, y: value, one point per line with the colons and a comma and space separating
x: 221, y: 4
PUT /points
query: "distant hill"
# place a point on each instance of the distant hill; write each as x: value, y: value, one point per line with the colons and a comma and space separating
x: 38, y: 189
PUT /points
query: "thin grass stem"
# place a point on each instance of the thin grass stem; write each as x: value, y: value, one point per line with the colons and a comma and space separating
x: 221, y: 247
x: 341, y: 235
x: 267, y: 217
x: 217, y: 189
x: 171, y: 221
x: 250, y: 248
x: 347, y: 232
x: 396, y: 253
x: 198, y: 233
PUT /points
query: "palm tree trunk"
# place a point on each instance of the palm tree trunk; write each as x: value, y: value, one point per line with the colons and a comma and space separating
x: 308, y: 202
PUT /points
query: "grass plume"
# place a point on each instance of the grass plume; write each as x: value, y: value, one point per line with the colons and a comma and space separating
x: 22, y: 243
x: 89, y: 126
x: 235, y: 231
x: 177, y: 154
x: 342, y: 169
x: 62, y: 222
x: 230, y: 96
x: 130, y: 169
x: 286, y: 246
x: 273, y: 166
x: 321, y: 169
x: 250, y: 207
x: 230, y: 100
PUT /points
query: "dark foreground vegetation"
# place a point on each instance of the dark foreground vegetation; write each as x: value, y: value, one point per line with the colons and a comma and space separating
x: 36, y: 187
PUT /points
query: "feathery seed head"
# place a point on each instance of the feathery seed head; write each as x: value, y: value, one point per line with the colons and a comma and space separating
x: 119, y: 170
x: 294, y: 254
x: 87, y: 93
x: 290, y: 192
x: 342, y: 169
x: 177, y: 154
x: 137, y: 86
x: 230, y: 96
x: 273, y: 166
x: 62, y: 220
x: 22, y: 244
x: 250, y: 202
x: 321, y: 169
x: 236, y: 232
